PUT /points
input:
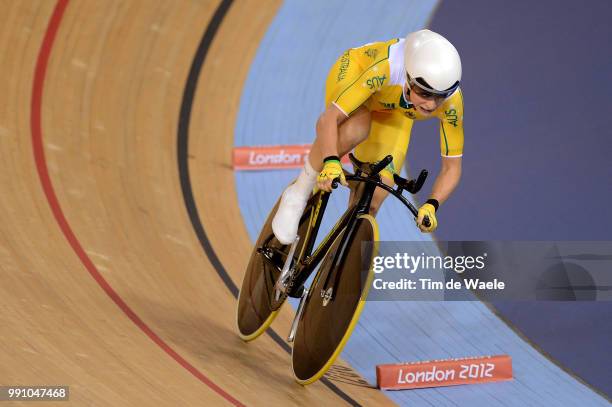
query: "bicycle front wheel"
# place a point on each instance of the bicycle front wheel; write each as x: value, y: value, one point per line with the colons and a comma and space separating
x: 327, y: 323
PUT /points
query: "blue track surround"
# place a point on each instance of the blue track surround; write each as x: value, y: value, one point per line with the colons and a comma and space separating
x: 537, y: 77
x: 281, y: 101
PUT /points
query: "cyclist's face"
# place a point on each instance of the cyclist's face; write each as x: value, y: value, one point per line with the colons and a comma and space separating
x: 424, y: 102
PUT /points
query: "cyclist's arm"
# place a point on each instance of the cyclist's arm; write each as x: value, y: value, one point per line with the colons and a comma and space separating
x: 344, y: 103
x: 447, y: 179
x: 451, y: 147
x: 327, y: 134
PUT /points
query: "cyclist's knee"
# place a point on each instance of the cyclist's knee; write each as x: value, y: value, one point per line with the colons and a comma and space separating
x: 378, y: 199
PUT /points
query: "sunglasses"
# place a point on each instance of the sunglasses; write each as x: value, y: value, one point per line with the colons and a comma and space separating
x: 421, y: 88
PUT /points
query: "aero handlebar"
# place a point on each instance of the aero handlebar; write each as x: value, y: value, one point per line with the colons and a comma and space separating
x: 371, y: 171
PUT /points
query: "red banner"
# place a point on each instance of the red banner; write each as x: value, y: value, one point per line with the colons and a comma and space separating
x: 271, y: 157
x: 449, y: 372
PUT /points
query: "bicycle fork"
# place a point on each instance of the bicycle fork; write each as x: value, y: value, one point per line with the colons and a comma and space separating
x: 298, y: 315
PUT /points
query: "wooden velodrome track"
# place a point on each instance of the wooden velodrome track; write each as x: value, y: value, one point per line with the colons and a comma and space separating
x: 106, y: 287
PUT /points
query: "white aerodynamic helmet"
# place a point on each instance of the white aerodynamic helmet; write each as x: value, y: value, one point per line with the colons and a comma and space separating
x: 432, y: 63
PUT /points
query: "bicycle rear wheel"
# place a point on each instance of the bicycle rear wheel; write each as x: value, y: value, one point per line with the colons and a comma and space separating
x: 257, y: 306
x: 325, y: 327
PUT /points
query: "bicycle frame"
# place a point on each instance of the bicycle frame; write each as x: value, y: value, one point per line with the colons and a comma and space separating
x: 308, y: 260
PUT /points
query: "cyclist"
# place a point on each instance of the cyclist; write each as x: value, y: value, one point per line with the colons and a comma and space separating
x: 373, y: 94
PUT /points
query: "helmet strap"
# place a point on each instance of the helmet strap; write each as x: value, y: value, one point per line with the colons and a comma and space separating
x: 407, y: 92
x: 406, y: 96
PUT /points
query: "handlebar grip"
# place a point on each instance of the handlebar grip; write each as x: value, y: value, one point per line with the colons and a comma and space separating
x: 426, y: 222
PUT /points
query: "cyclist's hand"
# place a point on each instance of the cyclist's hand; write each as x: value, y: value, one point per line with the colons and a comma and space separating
x: 430, y: 211
x: 332, y: 169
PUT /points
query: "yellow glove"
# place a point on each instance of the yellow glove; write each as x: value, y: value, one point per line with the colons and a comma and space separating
x: 428, y: 209
x: 332, y: 169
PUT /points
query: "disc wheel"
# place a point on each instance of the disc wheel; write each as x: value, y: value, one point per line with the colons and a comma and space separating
x: 326, y: 325
x: 257, y: 306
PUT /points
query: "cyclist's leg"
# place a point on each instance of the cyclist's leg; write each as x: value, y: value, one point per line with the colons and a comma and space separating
x: 389, y: 134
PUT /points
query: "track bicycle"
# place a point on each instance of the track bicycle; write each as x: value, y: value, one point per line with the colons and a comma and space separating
x: 330, y: 307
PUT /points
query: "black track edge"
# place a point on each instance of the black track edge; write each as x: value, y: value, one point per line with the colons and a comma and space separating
x: 185, y: 180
